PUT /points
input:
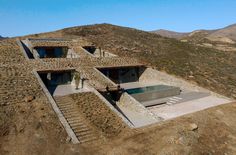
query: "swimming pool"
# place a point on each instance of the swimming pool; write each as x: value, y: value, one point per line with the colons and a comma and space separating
x: 153, y: 92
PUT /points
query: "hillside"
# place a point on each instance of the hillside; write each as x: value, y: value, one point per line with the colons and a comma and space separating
x: 31, y: 127
x: 210, y: 68
x: 228, y: 32
x: 214, y: 35
x: 221, y: 39
x: 170, y: 34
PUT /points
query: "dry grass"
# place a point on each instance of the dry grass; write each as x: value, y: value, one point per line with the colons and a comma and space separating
x: 210, y: 68
x: 98, y: 114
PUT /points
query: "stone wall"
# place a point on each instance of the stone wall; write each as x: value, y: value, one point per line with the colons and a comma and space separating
x: 154, y: 76
x: 135, y: 112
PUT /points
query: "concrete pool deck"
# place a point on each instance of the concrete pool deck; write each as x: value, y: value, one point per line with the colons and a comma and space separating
x: 175, y: 110
x: 191, y: 99
x: 183, y: 97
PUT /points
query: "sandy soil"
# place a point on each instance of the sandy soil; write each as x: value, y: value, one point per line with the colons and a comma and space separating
x: 32, y: 128
x: 216, y: 134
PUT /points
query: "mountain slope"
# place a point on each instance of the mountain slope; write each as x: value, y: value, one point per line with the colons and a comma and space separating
x: 170, y: 34
x: 210, y: 68
x: 214, y: 35
x: 35, y: 125
x: 227, y: 32
x: 221, y: 39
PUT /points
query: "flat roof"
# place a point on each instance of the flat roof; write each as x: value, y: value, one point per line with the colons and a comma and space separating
x: 55, y: 70
x: 117, y: 67
x: 48, y: 39
x: 51, y: 46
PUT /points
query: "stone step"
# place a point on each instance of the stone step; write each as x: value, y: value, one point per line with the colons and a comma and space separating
x: 85, y: 133
x: 86, y: 139
x: 81, y: 130
x: 74, y: 120
x: 69, y: 110
x: 72, y: 113
x: 79, y: 125
x: 65, y: 103
x: 63, y: 98
x: 86, y: 136
x: 67, y: 107
x: 72, y: 116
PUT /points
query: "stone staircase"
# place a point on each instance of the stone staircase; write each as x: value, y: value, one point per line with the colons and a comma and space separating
x: 71, y: 112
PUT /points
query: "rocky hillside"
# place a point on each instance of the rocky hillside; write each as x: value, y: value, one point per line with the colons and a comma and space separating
x: 228, y: 33
x: 221, y: 39
x: 170, y: 34
x: 31, y: 127
x: 210, y: 68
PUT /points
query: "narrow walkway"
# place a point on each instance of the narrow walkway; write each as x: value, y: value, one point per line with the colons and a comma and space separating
x: 71, y: 112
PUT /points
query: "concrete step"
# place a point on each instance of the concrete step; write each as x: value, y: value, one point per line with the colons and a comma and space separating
x: 87, y: 135
x: 73, y: 118
x: 87, y: 139
x: 80, y: 125
x: 69, y: 110
x: 80, y: 130
x: 84, y: 133
x: 76, y: 112
x: 65, y: 106
x: 63, y: 99
x: 76, y: 124
x: 69, y: 115
x: 64, y: 103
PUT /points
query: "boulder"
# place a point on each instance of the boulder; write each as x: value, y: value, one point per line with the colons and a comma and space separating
x: 68, y: 139
x: 192, y: 127
x: 29, y: 98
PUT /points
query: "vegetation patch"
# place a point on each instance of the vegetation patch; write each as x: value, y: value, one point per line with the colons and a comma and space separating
x: 99, y: 114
